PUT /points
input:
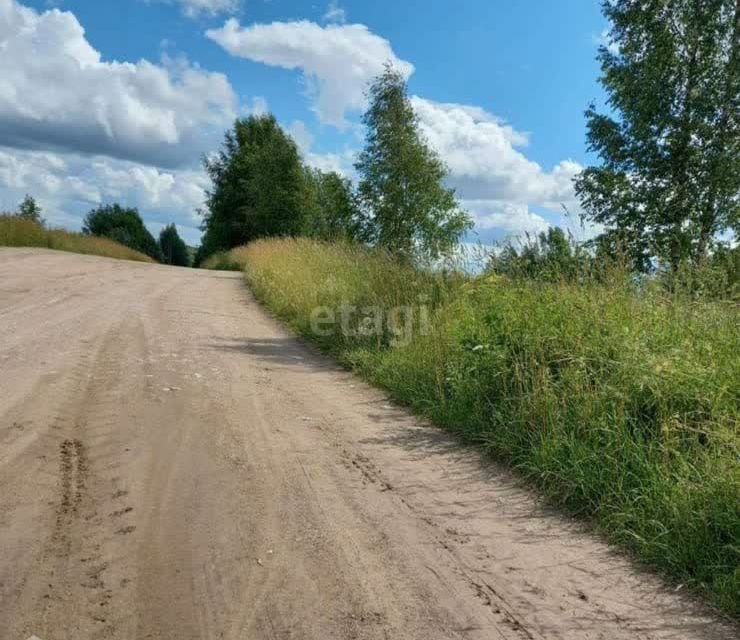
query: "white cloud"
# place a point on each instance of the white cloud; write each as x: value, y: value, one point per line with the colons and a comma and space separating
x: 57, y: 93
x: 337, y: 61
x: 335, y: 13
x: 339, y: 162
x: 68, y: 186
x: 494, y: 179
x: 300, y: 133
x: 258, y: 106
x: 510, y: 218
x: 483, y: 156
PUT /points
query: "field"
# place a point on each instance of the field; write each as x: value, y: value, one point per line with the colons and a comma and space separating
x: 16, y: 232
x: 620, y: 404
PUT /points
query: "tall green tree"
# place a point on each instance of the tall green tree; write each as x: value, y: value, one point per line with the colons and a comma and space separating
x: 332, y: 213
x: 669, y: 181
x: 407, y: 208
x: 257, y: 186
x: 30, y: 210
x: 124, y: 225
x: 173, y: 248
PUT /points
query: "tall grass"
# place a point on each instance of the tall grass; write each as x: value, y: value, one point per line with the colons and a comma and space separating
x: 224, y: 261
x: 17, y: 232
x: 620, y: 405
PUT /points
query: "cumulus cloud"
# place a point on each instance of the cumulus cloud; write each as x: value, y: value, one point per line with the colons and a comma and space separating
x: 56, y: 92
x: 339, y: 162
x: 509, y: 218
x: 484, y: 157
x: 68, y: 186
x: 337, y: 61
x: 493, y: 177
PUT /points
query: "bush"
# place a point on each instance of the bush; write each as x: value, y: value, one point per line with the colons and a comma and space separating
x: 620, y: 404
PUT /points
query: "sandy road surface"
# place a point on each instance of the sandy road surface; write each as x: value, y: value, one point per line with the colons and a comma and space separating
x: 174, y: 465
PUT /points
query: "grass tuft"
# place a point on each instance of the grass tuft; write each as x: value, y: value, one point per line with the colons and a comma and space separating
x: 17, y: 232
x: 620, y: 405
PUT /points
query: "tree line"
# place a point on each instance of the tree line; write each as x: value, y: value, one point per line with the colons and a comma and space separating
x: 262, y: 187
x: 666, y: 190
x: 124, y: 225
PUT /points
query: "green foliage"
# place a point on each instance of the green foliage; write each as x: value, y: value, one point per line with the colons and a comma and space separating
x: 670, y: 178
x: 407, y: 209
x: 716, y: 277
x: 726, y: 260
x: 30, y: 210
x: 261, y: 188
x: 174, y: 250
x: 123, y: 225
x: 16, y: 231
x: 551, y: 256
x: 619, y: 403
x: 331, y: 210
x: 258, y: 187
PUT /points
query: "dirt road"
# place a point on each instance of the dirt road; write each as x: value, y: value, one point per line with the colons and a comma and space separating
x: 175, y: 465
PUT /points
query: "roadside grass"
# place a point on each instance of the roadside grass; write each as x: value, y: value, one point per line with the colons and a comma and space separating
x: 620, y: 405
x: 16, y: 232
x: 224, y: 261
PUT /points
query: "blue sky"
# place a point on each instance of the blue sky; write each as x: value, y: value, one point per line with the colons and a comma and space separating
x: 125, y: 96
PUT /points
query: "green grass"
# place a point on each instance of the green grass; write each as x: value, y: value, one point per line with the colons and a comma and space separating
x: 620, y: 406
x: 224, y: 261
x: 16, y: 232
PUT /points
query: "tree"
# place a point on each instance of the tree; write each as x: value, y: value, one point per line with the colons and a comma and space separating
x: 173, y: 248
x: 331, y: 210
x: 669, y: 182
x: 407, y: 209
x: 30, y: 210
x: 123, y: 225
x: 258, y: 186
